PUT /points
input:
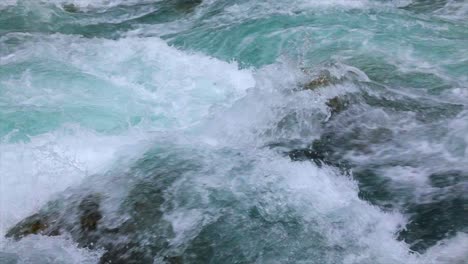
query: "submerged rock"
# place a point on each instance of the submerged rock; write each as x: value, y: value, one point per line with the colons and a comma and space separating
x: 434, y: 221
x: 442, y: 214
x: 52, y: 222
x: 448, y: 178
x: 71, y: 8
x: 187, y: 5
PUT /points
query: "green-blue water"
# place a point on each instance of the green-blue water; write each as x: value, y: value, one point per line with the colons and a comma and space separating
x: 218, y: 131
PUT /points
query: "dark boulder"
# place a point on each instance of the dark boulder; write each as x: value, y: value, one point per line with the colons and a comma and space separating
x: 90, y: 213
x: 337, y: 105
x: 317, y: 80
x: 70, y: 8
x: 434, y: 221
x: 54, y: 220
x: 41, y: 223
x: 173, y: 259
x: 186, y: 5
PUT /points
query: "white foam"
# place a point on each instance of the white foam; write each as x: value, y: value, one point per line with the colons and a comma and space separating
x: 7, y: 3
x: 449, y: 251
x: 31, y: 173
x: 325, y: 196
x: 42, y: 250
x: 82, y: 4
x: 145, y: 75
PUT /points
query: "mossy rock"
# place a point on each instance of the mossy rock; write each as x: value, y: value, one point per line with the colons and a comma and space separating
x: 40, y: 223
x: 320, y: 81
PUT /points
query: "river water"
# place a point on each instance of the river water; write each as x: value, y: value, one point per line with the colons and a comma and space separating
x: 189, y: 119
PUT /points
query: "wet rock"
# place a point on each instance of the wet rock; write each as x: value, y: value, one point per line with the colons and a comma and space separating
x: 337, y: 105
x: 40, y: 223
x: 322, y: 79
x: 90, y: 213
x: 89, y: 232
x: 321, y: 151
x: 308, y: 154
x: 442, y: 213
x: 187, y: 5
x: 52, y: 222
x: 138, y: 240
x: 71, y: 8
x: 433, y: 221
x: 173, y: 259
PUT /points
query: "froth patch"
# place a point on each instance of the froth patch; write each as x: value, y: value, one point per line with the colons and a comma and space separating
x: 7, y: 3
x: 41, y: 249
x: 32, y: 172
x: 141, y: 78
x: 449, y: 251
x: 97, y: 4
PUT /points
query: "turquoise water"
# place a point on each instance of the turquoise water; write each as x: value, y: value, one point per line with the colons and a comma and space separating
x: 189, y: 120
